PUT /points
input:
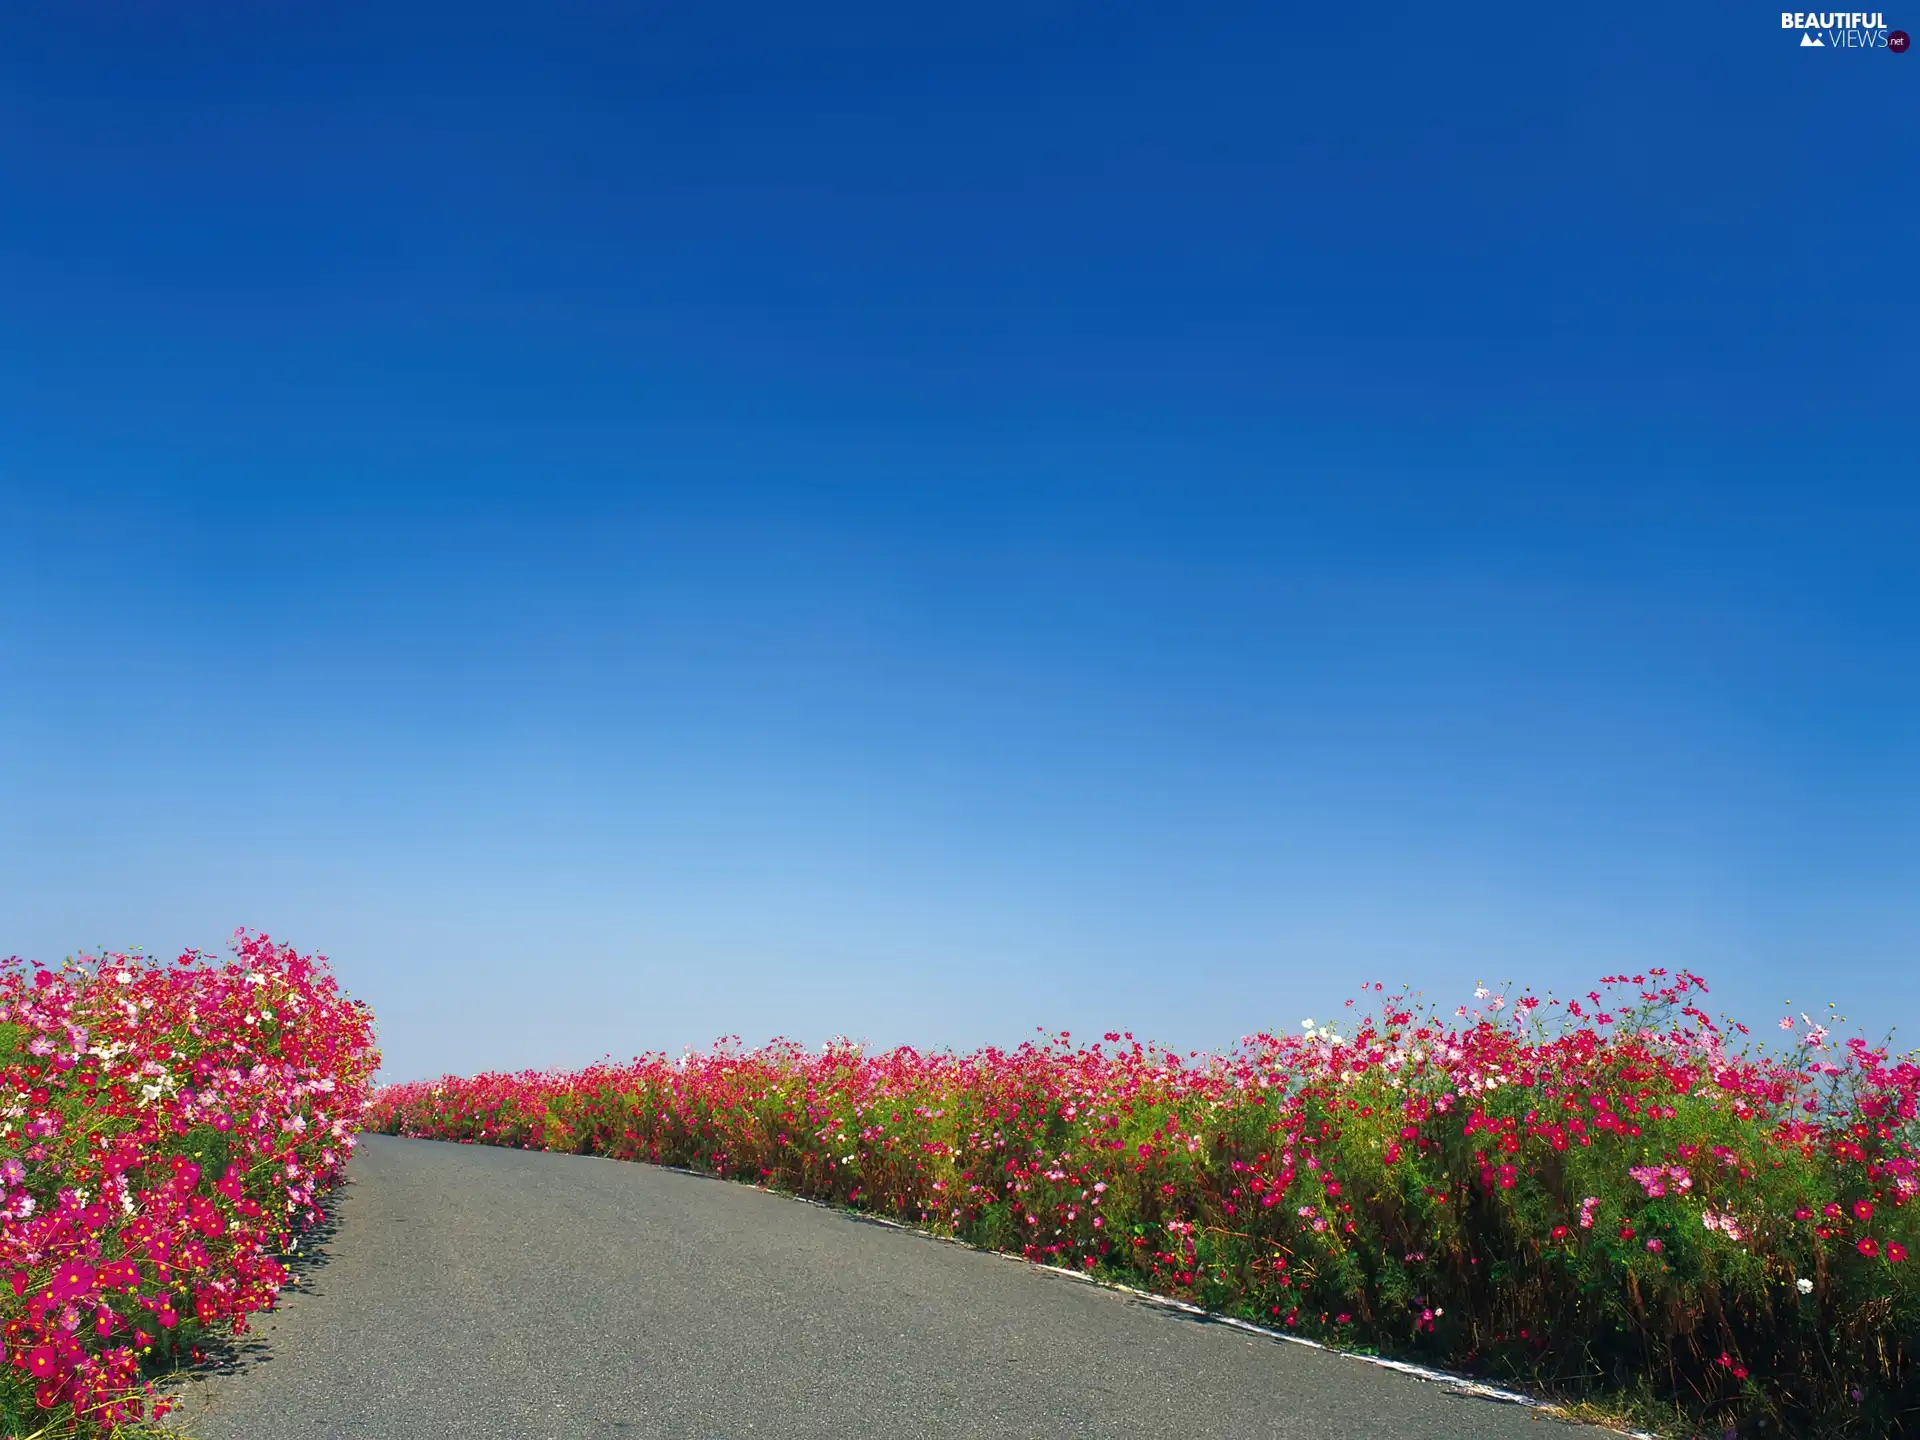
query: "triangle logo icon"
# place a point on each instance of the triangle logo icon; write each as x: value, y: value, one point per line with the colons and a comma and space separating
x: 1808, y: 42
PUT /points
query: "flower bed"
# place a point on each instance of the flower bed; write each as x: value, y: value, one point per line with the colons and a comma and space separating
x: 167, y: 1130
x: 1615, y: 1197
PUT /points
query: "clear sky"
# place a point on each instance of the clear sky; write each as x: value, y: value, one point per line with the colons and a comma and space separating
x: 628, y: 524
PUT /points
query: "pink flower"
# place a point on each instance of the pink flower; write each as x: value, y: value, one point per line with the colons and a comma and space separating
x: 72, y: 1280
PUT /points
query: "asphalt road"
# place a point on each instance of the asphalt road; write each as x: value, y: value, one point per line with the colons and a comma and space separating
x: 484, y: 1294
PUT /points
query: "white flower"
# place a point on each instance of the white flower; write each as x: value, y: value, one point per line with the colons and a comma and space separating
x: 1803, y: 1285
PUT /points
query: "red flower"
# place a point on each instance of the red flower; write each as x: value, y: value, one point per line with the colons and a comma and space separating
x: 1868, y: 1246
x: 72, y: 1280
x: 1862, y: 1210
x: 1896, y: 1251
x: 119, y: 1275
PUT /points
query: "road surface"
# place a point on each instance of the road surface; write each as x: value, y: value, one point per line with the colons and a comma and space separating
x: 480, y: 1294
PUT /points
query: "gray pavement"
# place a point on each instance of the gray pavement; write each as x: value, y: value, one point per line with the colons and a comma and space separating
x: 485, y: 1294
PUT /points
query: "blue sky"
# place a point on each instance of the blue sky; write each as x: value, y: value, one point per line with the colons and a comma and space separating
x: 627, y: 527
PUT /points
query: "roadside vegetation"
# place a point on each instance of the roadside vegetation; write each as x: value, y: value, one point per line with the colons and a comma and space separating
x: 1615, y: 1200
x: 166, y: 1131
